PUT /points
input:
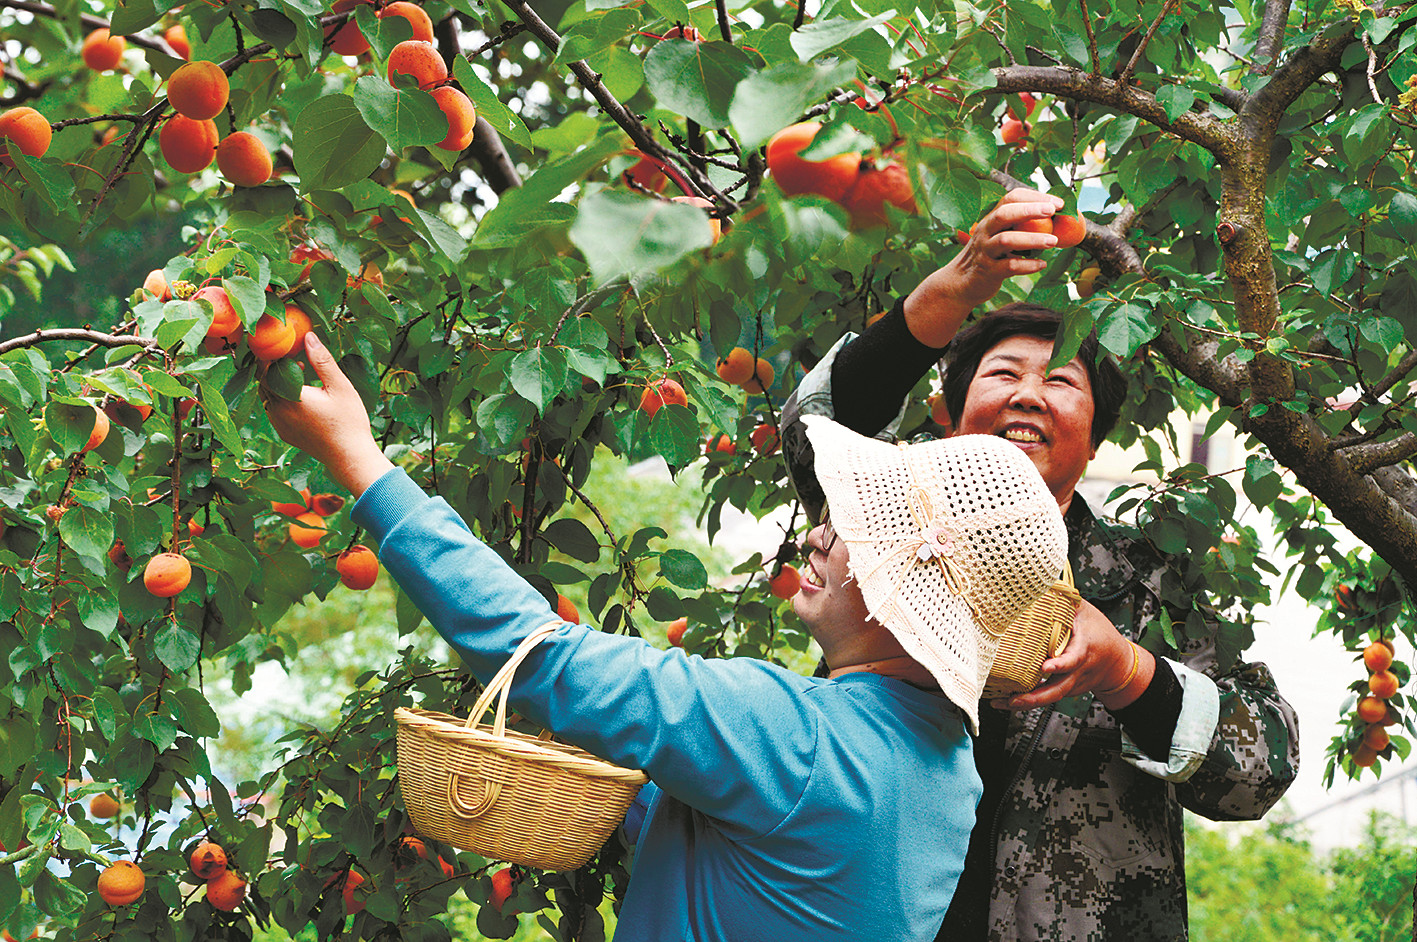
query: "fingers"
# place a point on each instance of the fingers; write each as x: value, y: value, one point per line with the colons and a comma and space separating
x: 324, y: 365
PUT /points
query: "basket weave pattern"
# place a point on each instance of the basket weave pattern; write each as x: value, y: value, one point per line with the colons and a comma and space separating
x: 504, y: 794
x: 1041, y: 632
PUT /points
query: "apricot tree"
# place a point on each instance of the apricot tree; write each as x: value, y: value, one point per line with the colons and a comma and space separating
x: 506, y: 300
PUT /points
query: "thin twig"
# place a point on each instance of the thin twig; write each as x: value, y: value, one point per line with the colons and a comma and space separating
x: 1091, y: 40
x: 1126, y: 77
x: 721, y: 7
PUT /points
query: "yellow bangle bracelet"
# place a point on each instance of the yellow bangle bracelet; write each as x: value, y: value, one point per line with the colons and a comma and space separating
x: 1131, y: 675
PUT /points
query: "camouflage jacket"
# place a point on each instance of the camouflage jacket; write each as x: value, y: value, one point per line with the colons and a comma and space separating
x: 1088, y: 836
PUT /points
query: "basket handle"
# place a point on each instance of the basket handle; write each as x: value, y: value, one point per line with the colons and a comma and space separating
x: 490, y: 792
x: 501, y: 682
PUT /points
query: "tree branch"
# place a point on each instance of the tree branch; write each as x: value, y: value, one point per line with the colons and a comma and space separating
x: 721, y: 8
x: 1091, y: 40
x: 618, y: 113
x: 1125, y: 77
x: 487, y: 147
x: 77, y: 333
x: 1300, y: 71
x: 1271, y: 37
x: 1365, y: 459
x: 1400, y: 372
x: 1197, y: 127
x: 89, y: 20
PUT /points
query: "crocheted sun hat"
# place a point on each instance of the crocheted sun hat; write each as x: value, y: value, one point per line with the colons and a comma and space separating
x: 949, y: 540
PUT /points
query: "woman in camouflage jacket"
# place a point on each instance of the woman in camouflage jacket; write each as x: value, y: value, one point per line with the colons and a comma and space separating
x: 1079, y: 833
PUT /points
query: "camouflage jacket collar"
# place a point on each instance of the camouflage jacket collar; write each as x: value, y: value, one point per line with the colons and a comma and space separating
x: 1100, y: 552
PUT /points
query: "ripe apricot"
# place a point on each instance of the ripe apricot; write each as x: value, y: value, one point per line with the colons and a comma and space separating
x: 348, y: 40
x: 353, y: 879
x: 1383, y: 684
x: 198, y: 90
x: 326, y: 505
x: 461, y: 115
x: 224, y: 343
x: 309, y: 255
x: 646, y: 173
x: 736, y: 366
x: 358, y: 567
x: 176, y: 37
x: 832, y: 178
x: 939, y: 412
x: 675, y: 634
x: 208, y: 860
x: 225, y: 320
x: 271, y: 338
x: 1364, y: 756
x: 1029, y: 103
x: 102, y: 51
x: 566, y: 609
x: 786, y: 583
x: 104, y: 805
x: 155, y: 286
x: 188, y: 146
x: 1372, y: 710
x: 226, y: 891
x: 501, y: 888
x: 194, y: 528
x: 243, y: 159
x: 307, y: 530
x: 720, y: 443
x: 683, y: 32
x: 1376, y: 737
x: 28, y: 129
x: 118, y: 554
x: 417, y: 18
x: 715, y: 224
x: 1013, y: 131
x: 761, y: 380
x: 764, y: 438
x: 293, y: 509
x: 121, y: 883
x: 874, y: 188
x: 167, y: 574
x: 299, y: 321
x: 99, y: 432
x: 1377, y: 657
x: 1069, y: 230
x: 663, y: 393
x: 419, y: 59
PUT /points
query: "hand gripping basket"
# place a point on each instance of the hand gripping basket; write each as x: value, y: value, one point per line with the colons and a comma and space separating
x: 1039, y: 633
x: 503, y: 794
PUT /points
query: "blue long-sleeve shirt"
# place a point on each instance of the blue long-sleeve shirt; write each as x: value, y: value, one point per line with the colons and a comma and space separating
x: 781, y: 807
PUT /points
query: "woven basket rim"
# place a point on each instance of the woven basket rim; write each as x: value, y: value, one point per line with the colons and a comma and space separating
x: 453, y: 731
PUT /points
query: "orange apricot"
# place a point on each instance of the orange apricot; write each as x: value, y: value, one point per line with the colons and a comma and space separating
x: 176, y: 37
x: 347, y: 40
x: 1372, y: 710
x: 307, y: 530
x: 155, y: 286
x: 104, y: 805
x: 226, y: 891
x: 309, y: 255
x: 28, y: 129
x: 566, y: 609
x: 358, y: 567
x: 293, y: 509
x: 1013, y: 131
x: 761, y: 379
x: 1377, y: 657
x: 167, y: 574
x: 646, y: 173
x: 764, y: 438
x: 874, y: 188
x: 217, y: 344
x: 121, y: 883
x: 501, y: 888
x: 1382, y: 684
x: 419, y: 59
x: 198, y: 90
x: 244, y: 160
x: 299, y: 322
x: 102, y: 51
x: 208, y: 860
x: 271, y: 338
x: 186, y: 144
x: 786, y: 583
x: 325, y: 505
x: 225, y: 320
x: 461, y: 115
x: 831, y: 178
x: 663, y: 393
x: 98, y: 433
x: 736, y: 366
x: 675, y: 634
x: 417, y: 18
x: 1069, y: 230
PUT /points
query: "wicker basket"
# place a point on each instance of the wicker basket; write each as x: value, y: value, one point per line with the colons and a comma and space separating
x: 1038, y: 634
x: 506, y: 795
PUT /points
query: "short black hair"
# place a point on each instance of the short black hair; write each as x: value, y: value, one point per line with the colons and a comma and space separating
x: 1109, y: 386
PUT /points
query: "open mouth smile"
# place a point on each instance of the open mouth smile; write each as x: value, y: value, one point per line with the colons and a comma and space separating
x: 1022, y: 434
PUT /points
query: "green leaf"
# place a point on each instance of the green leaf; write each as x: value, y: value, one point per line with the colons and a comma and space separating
x: 194, y: 713
x: 57, y: 897
x: 573, y: 538
x: 817, y: 37
x: 220, y: 418
x: 596, y: 33
x: 674, y: 434
x: 683, y: 568
x: 407, y: 617
x: 539, y: 374
x: 1175, y: 100
x: 504, y: 419
x: 156, y: 729
x: 404, y: 117
x: 696, y: 80
x: 69, y: 425
x: 489, y: 106
x: 768, y: 101
x: 624, y: 234
x: 87, y: 531
x: 178, y: 647
x: 1262, y: 484
x: 333, y: 145
x: 1125, y: 329
x: 16, y: 744
x: 284, y: 379
x: 1383, y: 331
x: 1403, y: 212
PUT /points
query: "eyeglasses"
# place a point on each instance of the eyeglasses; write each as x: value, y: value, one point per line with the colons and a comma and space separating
x: 829, y: 533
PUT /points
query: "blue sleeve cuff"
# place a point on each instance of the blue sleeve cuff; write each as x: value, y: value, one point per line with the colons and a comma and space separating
x: 1195, y: 729
x: 386, y: 502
